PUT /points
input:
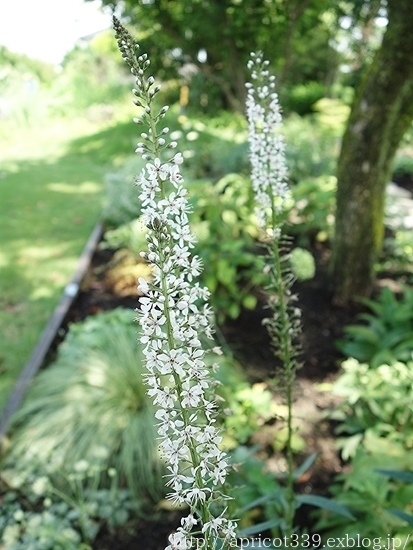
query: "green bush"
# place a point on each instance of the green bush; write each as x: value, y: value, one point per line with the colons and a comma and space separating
x: 377, y: 402
x: 403, y: 165
x: 387, y: 334
x: 129, y: 235
x: 312, y: 215
x: 397, y: 254
x: 370, y: 497
x: 301, y: 98
x: 122, y: 203
x: 311, y: 147
x: 92, y: 75
x: 214, y: 147
x: 224, y: 225
x: 226, y: 231
x: 46, y: 513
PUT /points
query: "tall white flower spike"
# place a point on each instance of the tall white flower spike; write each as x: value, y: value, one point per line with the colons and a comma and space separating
x: 172, y: 314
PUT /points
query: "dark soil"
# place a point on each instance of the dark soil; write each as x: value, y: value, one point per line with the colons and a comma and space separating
x: 404, y: 180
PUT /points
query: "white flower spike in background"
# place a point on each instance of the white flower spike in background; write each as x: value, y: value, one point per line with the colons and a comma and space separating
x: 267, y: 146
x: 272, y: 196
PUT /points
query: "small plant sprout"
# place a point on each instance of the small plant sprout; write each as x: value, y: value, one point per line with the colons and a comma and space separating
x: 272, y: 195
x: 173, y: 311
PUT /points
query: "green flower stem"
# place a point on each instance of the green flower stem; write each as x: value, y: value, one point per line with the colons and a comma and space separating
x: 286, y: 346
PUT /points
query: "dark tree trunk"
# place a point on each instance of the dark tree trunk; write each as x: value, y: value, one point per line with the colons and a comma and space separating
x: 381, y: 114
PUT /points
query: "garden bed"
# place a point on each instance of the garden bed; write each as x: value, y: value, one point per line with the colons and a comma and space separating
x: 105, y: 287
x: 323, y: 324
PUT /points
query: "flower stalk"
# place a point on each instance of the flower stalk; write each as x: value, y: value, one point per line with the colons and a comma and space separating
x: 272, y: 196
x: 173, y: 311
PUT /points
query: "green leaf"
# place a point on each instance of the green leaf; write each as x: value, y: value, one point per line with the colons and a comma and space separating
x: 225, y: 272
x: 304, y: 466
x: 402, y: 515
x: 363, y: 351
x: 400, y: 475
x: 260, y: 527
x: 233, y: 311
x: 249, y: 302
x: 275, y: 495
x: 360, y: 332
x: 325, y: 504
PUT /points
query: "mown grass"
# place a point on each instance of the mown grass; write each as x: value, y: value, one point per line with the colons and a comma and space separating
x: 50, y: 199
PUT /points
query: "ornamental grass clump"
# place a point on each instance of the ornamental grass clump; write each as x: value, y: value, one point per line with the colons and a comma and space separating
x: 272, y: 196
x: 173, y: 311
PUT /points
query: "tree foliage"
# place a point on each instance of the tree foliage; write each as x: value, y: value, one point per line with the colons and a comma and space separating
x: 15, y: 63
x: 215, y: 38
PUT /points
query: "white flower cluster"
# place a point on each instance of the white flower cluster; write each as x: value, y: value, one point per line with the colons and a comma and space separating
x: 173, y: 313
x: 266, y: 144
x: 172, y: 319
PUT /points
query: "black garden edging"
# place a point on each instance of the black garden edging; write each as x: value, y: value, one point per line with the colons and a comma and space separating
x: 49, y: 333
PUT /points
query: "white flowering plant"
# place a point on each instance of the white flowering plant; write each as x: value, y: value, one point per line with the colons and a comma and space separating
x: 173, y: 312
x: 273, y: 198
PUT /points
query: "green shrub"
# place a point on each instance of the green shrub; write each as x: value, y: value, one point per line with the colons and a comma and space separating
x: 66, y: 513
x: 370, y: 497
x: 377, y: 402
x: 223, y: 222
x: 215, y: 147
x: 226, y: 232
x: 129, y: 235
x: 388, y: 332
x: 260, y: 499
x: 312, y: 215
x: 403, y: 165
x: 311, y: 147
x: 302, y: 97
x: 398, y: 253
x: 122, y: 203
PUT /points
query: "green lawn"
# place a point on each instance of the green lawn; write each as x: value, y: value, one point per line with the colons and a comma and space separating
x: 51, y: 194
x: 51, y: 183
